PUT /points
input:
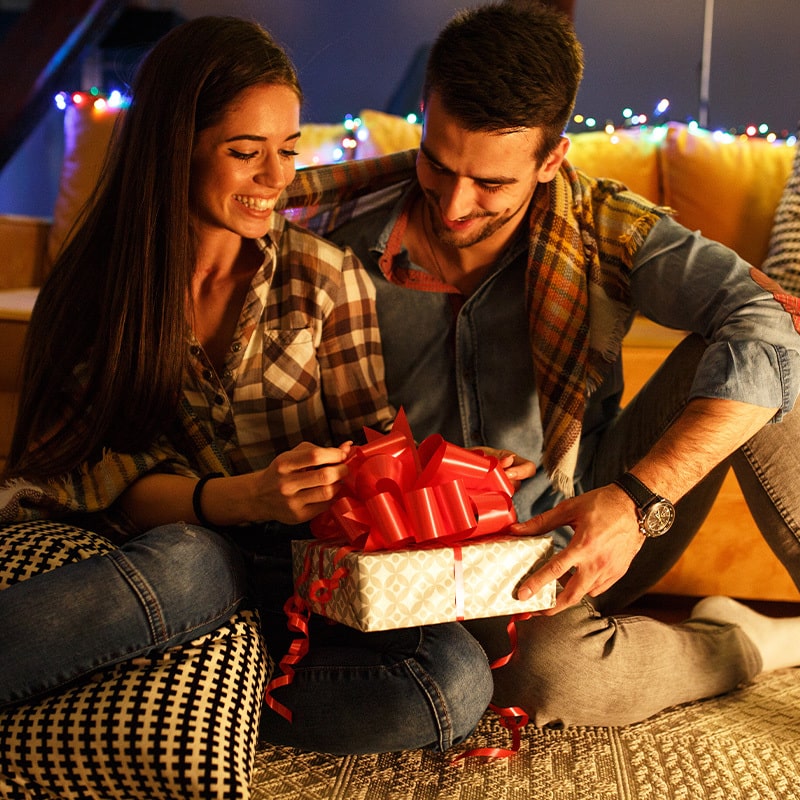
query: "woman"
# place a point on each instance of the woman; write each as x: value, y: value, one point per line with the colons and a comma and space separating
x: 188, y: 347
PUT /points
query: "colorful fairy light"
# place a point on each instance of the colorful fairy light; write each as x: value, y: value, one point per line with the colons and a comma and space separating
x: 94, y: 98
x: 355, y: 132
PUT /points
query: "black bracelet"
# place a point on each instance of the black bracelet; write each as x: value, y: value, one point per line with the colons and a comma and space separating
x: 197, y: 496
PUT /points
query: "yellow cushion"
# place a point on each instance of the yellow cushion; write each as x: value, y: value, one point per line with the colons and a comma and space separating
x: 23, y: 244
x: 317, y: 143
x: 627, y: 156
x: 728, y: 190
x: 87, y: 132
x: 388, y: 133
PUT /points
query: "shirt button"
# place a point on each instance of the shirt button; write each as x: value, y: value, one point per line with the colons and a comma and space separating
x: 236, y: 347
x: 194, y: 350
x: 219, y: 399
x: 225, y: 430
x: 207, y: 374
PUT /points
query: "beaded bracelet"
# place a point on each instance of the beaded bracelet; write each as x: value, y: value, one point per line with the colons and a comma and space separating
x: 197, y: 496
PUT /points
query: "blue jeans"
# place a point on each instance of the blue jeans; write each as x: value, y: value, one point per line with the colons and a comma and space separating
x: 360, y: 692
x: 163, y: 588
x: 353, y: 693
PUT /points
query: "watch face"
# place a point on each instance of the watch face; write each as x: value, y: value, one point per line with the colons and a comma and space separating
x: 658, y: 518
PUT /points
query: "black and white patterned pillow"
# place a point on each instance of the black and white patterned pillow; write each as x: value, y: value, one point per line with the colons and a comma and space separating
x: 783, y: 258
x: 183, y: 724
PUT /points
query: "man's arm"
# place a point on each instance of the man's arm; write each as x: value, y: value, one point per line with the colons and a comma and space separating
x: 607, y: 535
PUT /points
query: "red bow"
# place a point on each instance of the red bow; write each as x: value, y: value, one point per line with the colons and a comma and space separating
x: 397, y: 494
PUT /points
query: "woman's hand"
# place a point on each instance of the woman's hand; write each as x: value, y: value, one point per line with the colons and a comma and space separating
x: 300, y: 483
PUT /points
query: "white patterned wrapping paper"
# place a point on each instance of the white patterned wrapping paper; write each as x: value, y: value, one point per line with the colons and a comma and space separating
x: 403, y: 588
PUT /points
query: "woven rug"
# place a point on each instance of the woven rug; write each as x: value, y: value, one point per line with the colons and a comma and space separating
x: 742, y: 746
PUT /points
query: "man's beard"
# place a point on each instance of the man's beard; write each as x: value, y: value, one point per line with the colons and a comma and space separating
x: 447, y: 237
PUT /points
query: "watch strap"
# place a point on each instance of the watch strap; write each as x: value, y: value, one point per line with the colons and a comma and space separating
x: 636, y: 490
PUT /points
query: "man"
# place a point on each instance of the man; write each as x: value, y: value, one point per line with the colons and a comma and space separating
x: 505, y: 283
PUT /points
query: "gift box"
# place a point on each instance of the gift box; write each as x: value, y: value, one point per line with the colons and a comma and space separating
x: 417, y: 536
x: 400, y: 588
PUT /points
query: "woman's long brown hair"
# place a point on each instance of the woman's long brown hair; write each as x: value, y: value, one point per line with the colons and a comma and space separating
x: 115, y: 302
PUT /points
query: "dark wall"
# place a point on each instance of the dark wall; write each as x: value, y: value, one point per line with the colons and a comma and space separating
x: 355, y: 54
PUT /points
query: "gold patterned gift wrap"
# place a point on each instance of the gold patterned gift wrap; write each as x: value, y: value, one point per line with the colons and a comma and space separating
x: 379, y: 590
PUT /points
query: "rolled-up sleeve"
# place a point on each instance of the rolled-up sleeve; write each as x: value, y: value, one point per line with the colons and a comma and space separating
x: 684, y: 281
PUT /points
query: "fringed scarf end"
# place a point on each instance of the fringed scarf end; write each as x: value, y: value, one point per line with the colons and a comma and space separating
x: 562, y: 482
x: 639, y: 230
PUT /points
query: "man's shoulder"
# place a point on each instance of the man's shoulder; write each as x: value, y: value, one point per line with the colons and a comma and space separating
x: 362, y: 230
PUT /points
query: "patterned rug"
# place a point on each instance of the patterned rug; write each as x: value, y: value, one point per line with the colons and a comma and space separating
x: 742, y: 746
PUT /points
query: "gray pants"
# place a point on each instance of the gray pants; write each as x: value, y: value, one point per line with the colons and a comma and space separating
x: 582, y: 667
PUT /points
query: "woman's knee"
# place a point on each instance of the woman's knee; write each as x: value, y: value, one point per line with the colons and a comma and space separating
x: 457, y: 678
x: 196, y: 575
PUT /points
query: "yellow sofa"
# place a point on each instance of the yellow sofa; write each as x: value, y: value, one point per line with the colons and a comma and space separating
x: 724, y: 186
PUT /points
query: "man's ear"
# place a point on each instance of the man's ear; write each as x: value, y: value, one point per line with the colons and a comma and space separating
x: 552, y: 162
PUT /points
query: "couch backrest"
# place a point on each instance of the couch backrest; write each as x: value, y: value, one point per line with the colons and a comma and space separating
x: 726, y: 187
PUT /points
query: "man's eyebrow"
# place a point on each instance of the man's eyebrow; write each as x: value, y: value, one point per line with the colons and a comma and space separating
x: 501, y: 180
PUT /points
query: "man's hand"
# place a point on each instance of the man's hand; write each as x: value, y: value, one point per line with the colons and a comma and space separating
x: 516, y: 467
x: 606, y: 539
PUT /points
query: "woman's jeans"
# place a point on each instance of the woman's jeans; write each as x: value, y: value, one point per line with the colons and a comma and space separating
x: 161, y: 589
x: 360, y: 692
x: 353, y: 693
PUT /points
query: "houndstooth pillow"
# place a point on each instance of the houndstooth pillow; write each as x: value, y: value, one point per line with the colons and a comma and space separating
x: 183, y: 724
x: 783, y: 259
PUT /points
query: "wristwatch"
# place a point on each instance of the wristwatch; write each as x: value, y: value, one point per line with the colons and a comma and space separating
x: 655, y: 513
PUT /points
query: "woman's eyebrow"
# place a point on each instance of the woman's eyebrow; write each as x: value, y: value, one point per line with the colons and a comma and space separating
x: 252, y: 137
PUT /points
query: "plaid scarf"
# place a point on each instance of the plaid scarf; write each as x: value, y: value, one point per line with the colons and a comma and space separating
x: 583, y: 234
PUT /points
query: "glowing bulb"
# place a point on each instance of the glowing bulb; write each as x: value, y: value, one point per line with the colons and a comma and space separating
x: 412, y: 118
x: 662, y: 106
x: 627, y: 113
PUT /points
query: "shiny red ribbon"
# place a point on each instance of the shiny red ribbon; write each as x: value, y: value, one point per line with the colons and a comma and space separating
x: 398, y: 495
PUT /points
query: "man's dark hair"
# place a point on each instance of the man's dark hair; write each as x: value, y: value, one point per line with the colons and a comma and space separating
x: 510, y: 65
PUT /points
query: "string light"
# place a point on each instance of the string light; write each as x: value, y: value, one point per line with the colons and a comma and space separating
x: 355, y: 132
x: 631, y: 119
x: 94, y: 98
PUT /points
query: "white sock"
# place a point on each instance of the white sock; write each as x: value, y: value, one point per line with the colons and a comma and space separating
x: 777, y: 639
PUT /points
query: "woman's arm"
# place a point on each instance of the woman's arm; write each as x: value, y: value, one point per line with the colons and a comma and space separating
x: 295, y: 487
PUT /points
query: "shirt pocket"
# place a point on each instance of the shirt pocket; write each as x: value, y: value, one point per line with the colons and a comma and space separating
x: 291, y: 369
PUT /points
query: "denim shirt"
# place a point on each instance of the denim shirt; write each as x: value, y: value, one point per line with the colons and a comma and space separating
x: 462, y: 366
